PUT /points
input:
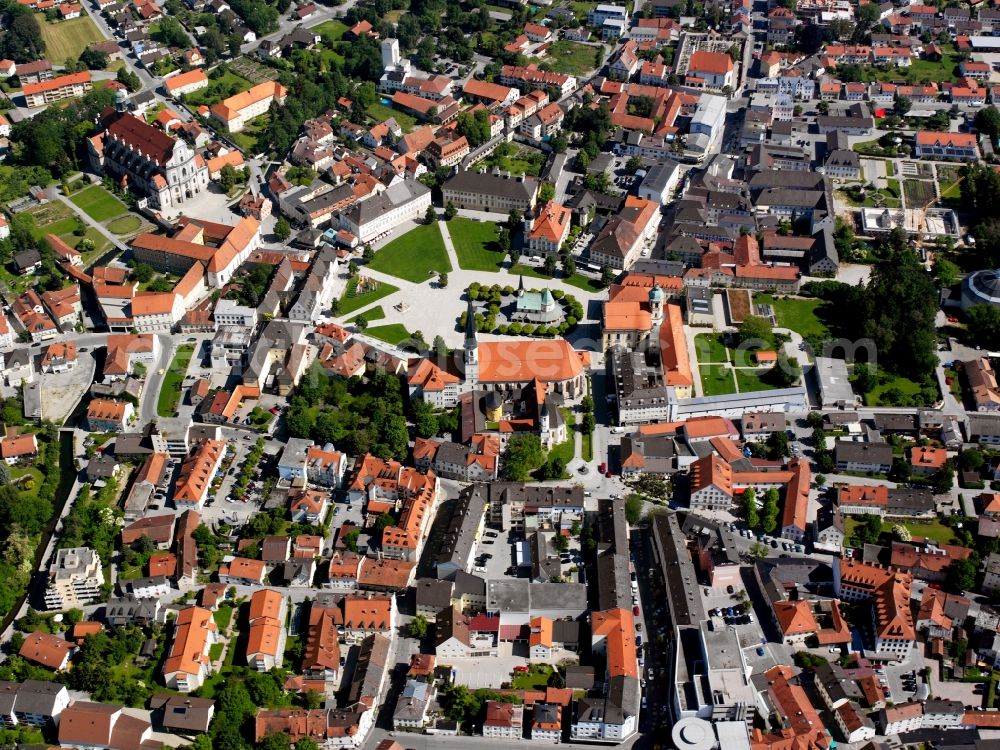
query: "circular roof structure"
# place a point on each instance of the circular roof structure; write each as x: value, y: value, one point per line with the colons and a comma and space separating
x: 981, y: 288
x: 656, y: 294
x: 692, y: 733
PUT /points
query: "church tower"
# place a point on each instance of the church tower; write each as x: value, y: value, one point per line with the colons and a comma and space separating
x: 471, y: 347
x: 656, y: 303
x: 543, y: 423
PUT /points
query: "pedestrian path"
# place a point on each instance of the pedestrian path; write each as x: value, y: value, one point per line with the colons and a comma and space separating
x: 448, y: 244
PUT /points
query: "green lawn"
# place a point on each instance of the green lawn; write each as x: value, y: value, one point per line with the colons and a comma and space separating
x: 475, y: 244
x: 380, y: 112
x: 416, y: 256
x: 226, y: 85
x: 67, y: 39
x: 587, y: 446
x: 572, y: 58
x: 374, y: 313
x: 331, y: 29
x: 246, y: 139
x: 753, y: 380
x: 222, y: 616
x: 934, y: 530
x: 98, y: 203
x: 392, y: 333
x: 907, y: 386
x: 352, y: 300
x: 709, y: 348
x: 536, y: 678
x: 716, y: 380
x: 582, y: 282
x: 578, y: 280
x: 529, y: 271
x: 125, y: 225
x: 523, y: 162
x: 798, y: 315
x: 101, y: 244
x: 170, y: 389
x: 582, y: 9
x: 567, y: 449
x: 926, y: 70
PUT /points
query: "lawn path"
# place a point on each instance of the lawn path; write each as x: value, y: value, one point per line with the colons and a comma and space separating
x: 54, y: 192
x: 448, y: 244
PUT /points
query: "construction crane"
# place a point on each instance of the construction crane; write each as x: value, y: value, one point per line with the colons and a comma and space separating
x: 922, y: 228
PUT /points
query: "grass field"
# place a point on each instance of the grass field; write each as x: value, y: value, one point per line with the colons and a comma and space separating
x: 392, y: 333
x: 577, y: 280
x: 352, y: 301
x: 934, y: 530
x: 246, y: 139
x: 67, y: 39
x: 372, y: 314
x: 572, y: 58
x: 536, y: 678
x: 226, y: 85
x: 56, y: 218
x: 416, y: 256
x: 709, y: 348
x: 98, y: 203
x: 752, y: 380
x: 583, y: 282
x: 717, y: 380
x: 331, y: 29
x: 475, y: 244
x: 380, y: 112
x: 125, y: 225
x: 799, y: 315
x: 566, y: 449
x: 170, y: 389
x: 907, y: 386
x: 522, y: 162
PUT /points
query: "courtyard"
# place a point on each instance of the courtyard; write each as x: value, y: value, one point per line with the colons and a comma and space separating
x: 393, y: 288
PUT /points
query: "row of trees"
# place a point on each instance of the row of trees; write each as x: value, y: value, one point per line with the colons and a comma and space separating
x: 26, y: 507
x: 764, y: 518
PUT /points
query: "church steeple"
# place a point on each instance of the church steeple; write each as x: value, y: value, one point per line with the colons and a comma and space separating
x: 471, y: 346
x: 520, y: 286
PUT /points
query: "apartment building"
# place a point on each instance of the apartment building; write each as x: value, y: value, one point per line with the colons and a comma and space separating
x: 889, y: 594
x: 75, y: 578
x: 197, y: 472
x: 56, y: 89
x: 185, y: 83
x: 266, y: 642
x: 235, y: 112
x: 187, y: 664
x: 957, y: 146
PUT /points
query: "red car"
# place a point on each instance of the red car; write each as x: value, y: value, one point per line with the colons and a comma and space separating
x: 520, y: 669
x: 635, y: 611
x: 602, y: 468
x: 607, y: 474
